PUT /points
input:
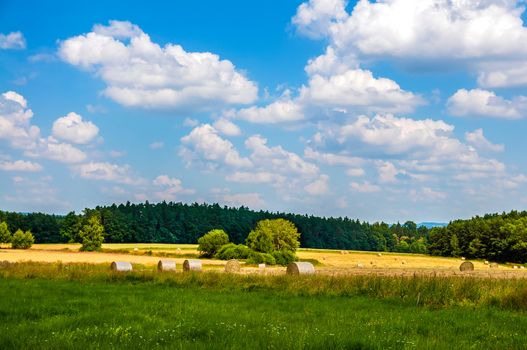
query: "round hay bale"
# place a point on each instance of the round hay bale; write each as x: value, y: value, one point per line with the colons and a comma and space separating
x: 466, y: 266
x: 122, y: 266
x: 136, y: 249
x: 166, y: 265
x: 515, y: 267
x: 403, y: 262
x: 233, y: 266
x: 261, y: 267
x: 360, y: 265
x: 462, y: 258
x: 300, y: 268
x: 192, y: 265
x: 493, y: 265
x: 379, y: 254
x: 486, y: 262
x: 522, y: 267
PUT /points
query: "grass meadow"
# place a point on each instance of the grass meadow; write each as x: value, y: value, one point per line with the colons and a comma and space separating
x: 55, y: 305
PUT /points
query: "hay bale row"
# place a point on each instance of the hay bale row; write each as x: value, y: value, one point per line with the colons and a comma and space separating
x: 300, y: 268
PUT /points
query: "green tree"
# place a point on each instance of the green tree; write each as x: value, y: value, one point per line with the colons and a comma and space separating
x: 210, y: 243
x: 278, y: 237
x: 22, y: 240
x: 454, y: 246
x: 70, y: 227
x: 92, y: 234
x: 5, y: 234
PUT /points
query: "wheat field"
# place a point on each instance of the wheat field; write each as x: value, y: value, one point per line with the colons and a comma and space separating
x: 326, y: 261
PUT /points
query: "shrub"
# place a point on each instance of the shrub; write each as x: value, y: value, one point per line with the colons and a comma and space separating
x: 92, y: 234
x: 260, y: 258
x: 5, y: 235
x: 22, y: 240
x: 210, y: 243
x: 283, y: 257
x: 233, y: 251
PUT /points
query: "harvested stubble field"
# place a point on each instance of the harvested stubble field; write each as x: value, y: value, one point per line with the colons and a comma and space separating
x: 333, y: 262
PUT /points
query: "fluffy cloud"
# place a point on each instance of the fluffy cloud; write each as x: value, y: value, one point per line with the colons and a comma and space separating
x: 140, y: 73
x: 107, y: 172
x: 318, y: 187
x: 226, y: 127
x: 485, y: 103
x: 281, y: 111
x: 489, y: 35
x: 364, y: 187
x: 73, y: 129
x: 13, y: 40
x: 16, y: 128
x: 407, y: 147
x: 278, y: 159
x: 157, y: 145
x: 171, y: 188
x: 20, y: 165
x: 478, y: 140
x: 315, y: 17
x: 15, y: 118
x: 358, y: 88
x: 203, y: 144
x: 331, y: 158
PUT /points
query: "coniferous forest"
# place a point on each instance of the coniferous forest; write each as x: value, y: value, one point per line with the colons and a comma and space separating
x: 496, y: 237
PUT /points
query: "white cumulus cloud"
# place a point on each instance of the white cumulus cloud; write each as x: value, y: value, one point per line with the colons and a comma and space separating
x: 73, y: 129
x: 141, y: 73
x: 483, y: 103
x: 478, y: 140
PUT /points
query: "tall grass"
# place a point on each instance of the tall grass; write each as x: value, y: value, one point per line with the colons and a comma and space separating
x: 431, y: 291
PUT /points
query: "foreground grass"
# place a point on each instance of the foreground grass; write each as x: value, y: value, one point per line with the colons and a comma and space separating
x: 57, y: 306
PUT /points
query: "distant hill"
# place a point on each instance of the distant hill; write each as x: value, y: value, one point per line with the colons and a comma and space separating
x: 430, y: 225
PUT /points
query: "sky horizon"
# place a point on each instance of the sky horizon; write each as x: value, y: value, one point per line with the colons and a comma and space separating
x: 388, y: 110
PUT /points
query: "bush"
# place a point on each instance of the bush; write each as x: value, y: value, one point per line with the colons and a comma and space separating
x: 22, y: 240
x: 283, y: 257
x: 260, y: 258
x: 233, y: 251
x: 211, y: 242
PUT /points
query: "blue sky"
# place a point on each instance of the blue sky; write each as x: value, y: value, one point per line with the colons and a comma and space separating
x: 388, y: 110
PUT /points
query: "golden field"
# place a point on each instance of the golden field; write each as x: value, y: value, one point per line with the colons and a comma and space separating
x: 329, y: 261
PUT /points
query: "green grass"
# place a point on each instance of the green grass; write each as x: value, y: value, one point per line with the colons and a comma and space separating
x: 54, y: 306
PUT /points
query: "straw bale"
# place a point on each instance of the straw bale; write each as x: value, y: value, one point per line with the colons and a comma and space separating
x: 123, y: 266
x: 233, y: 266
x: 466, y: 266
x: 166, y: 265
x: 300, y: 268
x: 192, y: 265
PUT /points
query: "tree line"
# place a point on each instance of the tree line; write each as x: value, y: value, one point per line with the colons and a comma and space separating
x: 494, y: 237
x: 185, y: 223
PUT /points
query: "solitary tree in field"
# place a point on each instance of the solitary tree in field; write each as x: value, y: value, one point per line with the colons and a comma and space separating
x: 92, y: 234
x: 22, y: 240
x: 278, y: 237
x: 271, y: 235
x: 211, y: 242
x: 5, y: 235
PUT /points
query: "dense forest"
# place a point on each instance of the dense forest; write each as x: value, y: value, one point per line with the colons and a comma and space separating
x: 185, y: 223
x: 494, y: 237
